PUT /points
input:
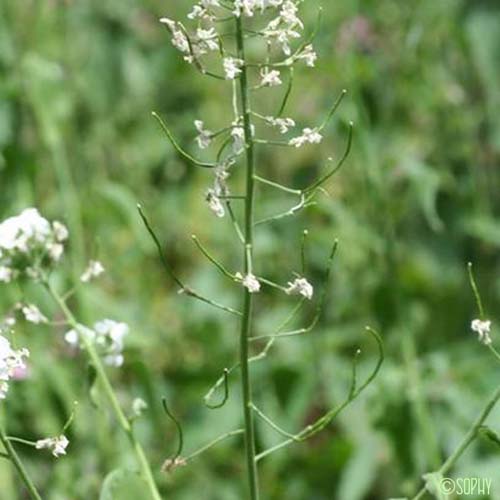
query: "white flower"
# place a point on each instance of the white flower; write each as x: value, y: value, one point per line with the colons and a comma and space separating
x: 250, y: 282
x: 55, y: 251
x: 215, y: 203
x: 289, y: 14
x: 221, y: 174
x: 172, y: 463
x: 179, y: 39
x: 139, y: 406
x: 57, y: 445
x: 17, y: 233
x: 107, y: 335
x: 204, y: 137
x: 198, y: 12
x: 248, y: 7
x: 270, y: 78
x: 8, y: 323
x: 60, y: 231
x: 202, y: 10
x: 73, y: 336
x: 28, y: 239
x: 285, y: 27
x: 308, y: 55
x: 94, y: 269
x: 245, y: 6
x: 207, y: 38
x: 110, y: 335
x: 300, y: 286
x: 482, y: 328
x: 309, y: 135
x: 10, y: 361
x: 284, y: 124
x: 232, y: 67
x: 238, y: 135
x: 33, y: 314
x: 6, y: 274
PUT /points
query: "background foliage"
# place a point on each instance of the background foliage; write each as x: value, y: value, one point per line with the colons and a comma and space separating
x: 418, y: 198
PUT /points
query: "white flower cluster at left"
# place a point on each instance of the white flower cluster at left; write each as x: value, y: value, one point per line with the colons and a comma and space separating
x: 28, y: 241
x: 10, y: 361
x: 107, y: 335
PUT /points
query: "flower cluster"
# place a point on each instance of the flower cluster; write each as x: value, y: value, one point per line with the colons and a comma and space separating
x: 107, y: 335
x: 32, y: 314
x: 11, y: 360
x: 309, y: 135
x: 94, y: 269
x: 57, y: 445
x: 300, y: 286
x: 285, y: 28
x: 280, y: 28
x: 27, y: 242
x: 483, y: 329
x: 249, y: 281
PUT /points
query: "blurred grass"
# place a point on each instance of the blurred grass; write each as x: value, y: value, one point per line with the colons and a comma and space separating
x: 416, y: 201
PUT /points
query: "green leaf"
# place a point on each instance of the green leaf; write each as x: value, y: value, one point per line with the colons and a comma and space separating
x: 490, y: 434
x: 123, y: 484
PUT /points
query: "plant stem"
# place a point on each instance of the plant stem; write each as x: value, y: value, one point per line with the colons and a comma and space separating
x: 246, y: 321
x: 466, y: 441
x: 110, y: 393
x: 16, y: 461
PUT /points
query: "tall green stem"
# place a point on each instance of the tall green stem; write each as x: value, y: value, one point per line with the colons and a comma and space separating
x: 466, y: 441
x: 110, y: 393
x: 246, y: 321
x: 16, y: 461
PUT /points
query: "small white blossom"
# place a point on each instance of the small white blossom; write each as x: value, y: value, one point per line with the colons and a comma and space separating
x: 57, y: 445
x: 60, y: 231
x: 179, y: 39
x: 270, y: 78
x: 300, y: 286
x: 221, y: 174
x: 107, y: 335
x: 249, y: 7
x: 308, y: 55
x: 204, y: 137
x: 10, y: 361
x: 286, y: 27
x: 284, y: 124
x: 202, y: 10
x: 27, y: 239
x: 250, y: 282
x: 110, y: 334
x: 6, y: 274
x: 238, y: 135
x: 207, y: 39
x: 215, y: 203
x: 72, y: 337
x: 55, y: 251
x: 172, y: 463
x: 232, y: 67
x: 309, y: 135
x: 33, y: 314
x: 139, y: 406
x: 482, y: 328
x: 94, y: 269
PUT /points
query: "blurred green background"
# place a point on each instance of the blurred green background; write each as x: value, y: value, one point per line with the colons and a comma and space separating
x: 418, y: 198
